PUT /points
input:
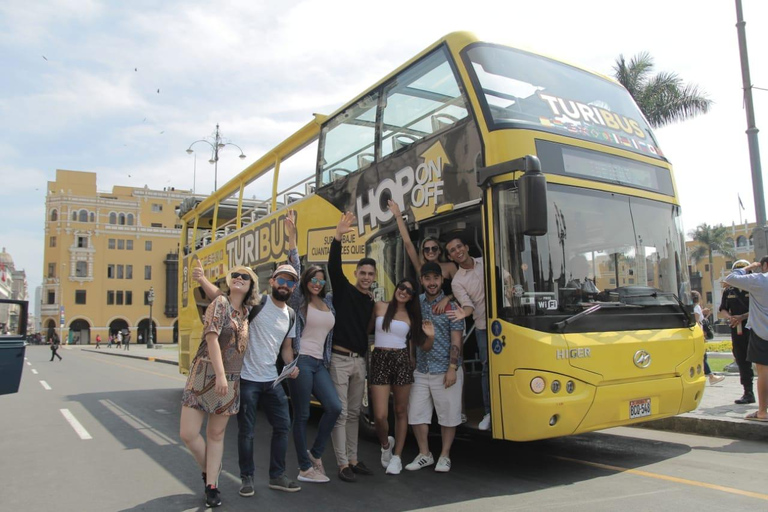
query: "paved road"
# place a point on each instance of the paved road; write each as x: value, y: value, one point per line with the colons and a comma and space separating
x: 134, y: 460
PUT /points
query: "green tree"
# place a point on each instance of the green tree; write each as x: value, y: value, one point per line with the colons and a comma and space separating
x: 711, y: 239
x: 663, y: 98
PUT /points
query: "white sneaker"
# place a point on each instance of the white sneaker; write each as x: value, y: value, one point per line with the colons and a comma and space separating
x: 386, y: 453
x: 316, y: 463
x: 486, y: 423
x: 313, y: 476
x: 443, y: 465
x: 395, y: 465
x: 715, y: 379
x: 421, y: 461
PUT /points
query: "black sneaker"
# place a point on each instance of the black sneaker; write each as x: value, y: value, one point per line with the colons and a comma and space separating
x: 283, y: 483
x: 346, y: 475
x: 212, y: 496
x: 246, y: 487
x: 748, y: 398
x: 361, y: 469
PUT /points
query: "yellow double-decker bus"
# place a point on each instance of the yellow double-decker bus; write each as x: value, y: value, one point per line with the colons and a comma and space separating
x: 552, y: 175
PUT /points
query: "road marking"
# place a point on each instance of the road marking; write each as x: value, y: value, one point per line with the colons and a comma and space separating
x: 674, y: 479
x: 29, y: 364
x: 79, y: 428
x: 34, y: 371
x: 172, y: 377
x: 45, y: 385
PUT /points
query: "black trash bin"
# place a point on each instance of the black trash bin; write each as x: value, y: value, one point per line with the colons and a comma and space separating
x: 13, y: 336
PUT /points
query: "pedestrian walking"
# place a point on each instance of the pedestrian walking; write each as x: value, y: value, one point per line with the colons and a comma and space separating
x: 315, y: 318
x: 754, y: 279
x: 699, y: 315
x: 398, y: 327
x: 354, y: 306
x: 111, y: 340
x: 127, y: 340
x: 98, y: 341
x: 270, y: 331
x: 119, y: 339
x: 213, y: 386
x: 735, y: 307
x: 55, y: 348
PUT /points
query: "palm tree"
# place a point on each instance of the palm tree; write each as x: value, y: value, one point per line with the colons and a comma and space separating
x: 663, y: 98
x: 711, y: 239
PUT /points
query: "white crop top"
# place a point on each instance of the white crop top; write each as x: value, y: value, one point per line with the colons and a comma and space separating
x: 395, y: 337
x: 319, y: 324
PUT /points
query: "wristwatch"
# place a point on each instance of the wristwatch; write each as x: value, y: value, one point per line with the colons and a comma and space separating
x: 454, y: 366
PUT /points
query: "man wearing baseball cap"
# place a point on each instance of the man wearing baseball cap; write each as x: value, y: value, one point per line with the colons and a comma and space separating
x: 735, y: 306
x: 270, y: 331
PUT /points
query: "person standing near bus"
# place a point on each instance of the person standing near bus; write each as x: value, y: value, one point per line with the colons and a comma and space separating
x: 354, y: 306
x: 438, y: 379
x: 315, y: 318
x: 430, y: 251
x: 469, y: 289
x: 398, y: 327
x: 735, y: 305
x: 699, y: 316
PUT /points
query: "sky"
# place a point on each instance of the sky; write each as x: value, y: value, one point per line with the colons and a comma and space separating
x: 123, y: 88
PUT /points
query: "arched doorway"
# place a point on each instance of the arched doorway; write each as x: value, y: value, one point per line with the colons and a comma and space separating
x: 117, y: 325
x: 143, y: 330
x: 50, y: 329
x: 79, y: 332
x: 176, y: 331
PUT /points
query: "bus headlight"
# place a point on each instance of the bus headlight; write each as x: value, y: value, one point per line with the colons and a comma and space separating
x: 538, y: 385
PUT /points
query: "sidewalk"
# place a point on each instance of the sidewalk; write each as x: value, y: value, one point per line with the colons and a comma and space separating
x: 717, y: 415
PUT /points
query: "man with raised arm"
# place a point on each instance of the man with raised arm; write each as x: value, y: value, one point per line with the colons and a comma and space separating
x: 354, y: 307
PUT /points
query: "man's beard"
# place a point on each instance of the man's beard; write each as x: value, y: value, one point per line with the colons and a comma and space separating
x: 282, y: 296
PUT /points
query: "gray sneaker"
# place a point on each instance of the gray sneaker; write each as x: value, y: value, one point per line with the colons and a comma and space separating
x: 283, y: 483
x: 246, y: 489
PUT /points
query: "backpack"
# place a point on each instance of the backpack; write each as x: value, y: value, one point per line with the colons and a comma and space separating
x: 255, y: 310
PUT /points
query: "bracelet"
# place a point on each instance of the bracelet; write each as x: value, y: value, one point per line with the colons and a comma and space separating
x: 453, y: 366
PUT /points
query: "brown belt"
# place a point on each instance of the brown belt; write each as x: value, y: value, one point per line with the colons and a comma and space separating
x: 344, y: 353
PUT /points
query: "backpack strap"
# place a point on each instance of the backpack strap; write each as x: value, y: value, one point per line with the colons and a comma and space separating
x: 255, y: 310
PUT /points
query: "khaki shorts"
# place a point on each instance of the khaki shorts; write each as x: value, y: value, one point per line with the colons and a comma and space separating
x: 428, y: 392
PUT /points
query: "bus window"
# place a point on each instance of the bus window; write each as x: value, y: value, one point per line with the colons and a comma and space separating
x: 423, y: 100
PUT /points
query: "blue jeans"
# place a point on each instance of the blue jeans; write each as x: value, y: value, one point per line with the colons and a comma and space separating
x: 313, y: 379
x: 275, y: 405
x: 481, y: 336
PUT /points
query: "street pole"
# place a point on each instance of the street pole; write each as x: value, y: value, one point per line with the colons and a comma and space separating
x: 759, y: 234
x: 151, y: 300
x: 215, y: 147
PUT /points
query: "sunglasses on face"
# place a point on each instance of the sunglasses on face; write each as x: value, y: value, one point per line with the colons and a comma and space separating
x: 432, y: 248
x: 281, y: 281
x: 315, y: 280
x: 243, y: 276
x: 407, y: 289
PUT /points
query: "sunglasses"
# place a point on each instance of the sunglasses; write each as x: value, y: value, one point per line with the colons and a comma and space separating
x: 407, y: 289
x: 315, y: 280
x: 281, y: 281
x: 243, y: 276
x: 432, y: 248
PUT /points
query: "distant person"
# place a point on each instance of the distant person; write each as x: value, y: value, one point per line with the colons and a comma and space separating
x: 754, y: 279
x: 699, y: 314
x: 111, y: 340
x: 218, y: 361
x: 735, y: 306
x: 119, y: 339
x: 55, y: 348
x: 127, y: 340
x: 98, y: 341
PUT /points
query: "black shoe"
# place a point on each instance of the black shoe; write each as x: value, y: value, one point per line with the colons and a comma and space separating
x: 346, y: 475
x: 212, y: 496
x: 361, y: 469
x: 748, y: 398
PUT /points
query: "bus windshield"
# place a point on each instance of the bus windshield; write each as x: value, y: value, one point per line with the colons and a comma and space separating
x: 521, y: 90
x: 601, y: 248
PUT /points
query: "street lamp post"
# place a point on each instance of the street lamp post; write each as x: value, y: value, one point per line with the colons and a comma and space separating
x: 216, y: 146
x: 151, y: 300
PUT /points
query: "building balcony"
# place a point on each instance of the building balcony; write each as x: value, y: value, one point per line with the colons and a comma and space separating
x: 49, y: 309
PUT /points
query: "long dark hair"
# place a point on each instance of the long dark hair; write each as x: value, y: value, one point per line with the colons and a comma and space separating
x: 306, y: 277
x: 412, y: 307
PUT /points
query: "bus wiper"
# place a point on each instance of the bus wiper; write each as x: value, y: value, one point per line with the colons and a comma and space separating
x: 560, y: 326
x: 656, y: 294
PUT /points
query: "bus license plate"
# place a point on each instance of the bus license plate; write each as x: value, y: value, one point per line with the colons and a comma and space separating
x: 639, y: 408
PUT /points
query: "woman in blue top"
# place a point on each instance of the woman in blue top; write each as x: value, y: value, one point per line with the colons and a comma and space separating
x: 315, y: 318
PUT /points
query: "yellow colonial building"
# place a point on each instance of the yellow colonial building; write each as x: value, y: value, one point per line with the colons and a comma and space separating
x: 104, y: 251
x: 740, y: 237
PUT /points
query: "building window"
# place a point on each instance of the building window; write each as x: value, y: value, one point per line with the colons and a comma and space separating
x: 728, y: 265
x: 129, y: 271
x: 81, y: 269
x: 146, y: 298
x: 74, y: 215
x: 129, y: 245
x: 128, y: 298
x: 51, y: 270
x: 54, y: 215
x: 51, y: 297
x: 147, y: 272
x: 83, y: 217
x: 119, y: 298
x: 706, y: 267
x: 113, y: 218
x: 111, y: 243
x: 79, y: 296
x: 121, y: 219
x: 157, y: 225
x: 52, y: 242
x: 129, y: 219
x: 110, y: 298
x: 110, y: 271
x: 741, y: 241
x: 120, y: 272
x: 157, y: 207
x: 92, y: 217
x: 148, y: 245
x: 120, y: 244
x: 82, y: 242
x: 709, y: 297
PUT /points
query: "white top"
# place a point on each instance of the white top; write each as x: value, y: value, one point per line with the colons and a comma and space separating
x: 698, y: 313
x: 468, y: 287
x: 319, y: 324
x: 395, y: 337
x: 265, y: 336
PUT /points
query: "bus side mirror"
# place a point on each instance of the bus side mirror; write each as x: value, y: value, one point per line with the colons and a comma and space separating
x: 532, y: 188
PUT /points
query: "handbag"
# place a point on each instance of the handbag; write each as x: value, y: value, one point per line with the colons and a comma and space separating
x: 203, y: 386
x: 707, y: 328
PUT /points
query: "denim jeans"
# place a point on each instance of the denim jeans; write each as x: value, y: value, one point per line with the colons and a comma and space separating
x: 275, y: 405
x: 481, y: 336
x: 313, y: 379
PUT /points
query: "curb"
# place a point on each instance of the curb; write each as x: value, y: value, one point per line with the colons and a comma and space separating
x: 145, y: 358
x: 713, y: 427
